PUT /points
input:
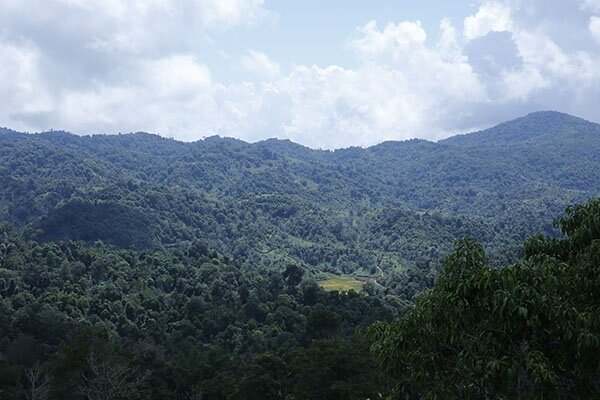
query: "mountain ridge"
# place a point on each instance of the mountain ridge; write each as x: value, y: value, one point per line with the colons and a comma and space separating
x: 521, y: 123
x: 277, y: 202
x: 531, y: 126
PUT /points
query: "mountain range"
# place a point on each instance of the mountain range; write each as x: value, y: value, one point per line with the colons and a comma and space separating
x: 272, y: 203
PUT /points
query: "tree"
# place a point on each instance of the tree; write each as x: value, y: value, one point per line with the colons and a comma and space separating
x: 322, y: 323
x: 293, y: 275
x: 109, y: 379
x: 37, y: 384
x: 527, y: 331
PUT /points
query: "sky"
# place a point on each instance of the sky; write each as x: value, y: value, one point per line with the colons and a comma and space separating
x: 326, y: 74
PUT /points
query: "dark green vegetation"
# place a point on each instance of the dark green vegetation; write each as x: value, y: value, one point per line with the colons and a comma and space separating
x: 83, y: 322
x: 276, y: 202
x: 188, y: 271
x: 177, y: 323
x: 527, y: 331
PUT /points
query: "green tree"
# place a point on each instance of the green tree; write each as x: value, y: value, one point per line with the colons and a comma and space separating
x: 527, y: 331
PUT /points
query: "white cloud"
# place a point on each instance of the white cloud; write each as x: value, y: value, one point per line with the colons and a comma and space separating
x: 177, y: 76
x: 113, y: 65
x: 110, y: 67
x: 409, y: 85
x: 230, y: 12
x: 403, y: 88
x: 127, y: 26
x: 393, y: 38
x: 333, y: 106
x: 449, y: 45
x: 156, y: 100
x: 260, y: 65
x: 520, y: 84
x: 22, y: 87
x: 491, y: 17
x: 595, y: 27
x: 592, y: 5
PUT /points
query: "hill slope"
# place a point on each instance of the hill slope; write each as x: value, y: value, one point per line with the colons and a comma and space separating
x: 276, y: 202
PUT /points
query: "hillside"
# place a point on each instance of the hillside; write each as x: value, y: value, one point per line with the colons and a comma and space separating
x: 226, y: 270
x: 270, y: 203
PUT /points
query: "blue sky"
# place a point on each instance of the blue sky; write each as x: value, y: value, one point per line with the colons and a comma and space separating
x: 318, y: 32
x: 327, y: 74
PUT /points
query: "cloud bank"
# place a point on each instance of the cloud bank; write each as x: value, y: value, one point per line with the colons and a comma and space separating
x: 109, y: 66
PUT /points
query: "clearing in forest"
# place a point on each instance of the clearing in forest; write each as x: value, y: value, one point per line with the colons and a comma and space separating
x: 341, y: 283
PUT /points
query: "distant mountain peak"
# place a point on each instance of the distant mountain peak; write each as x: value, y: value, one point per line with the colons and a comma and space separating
x: 532, y: 126
x: 548, y: 116
x: 278, y: 142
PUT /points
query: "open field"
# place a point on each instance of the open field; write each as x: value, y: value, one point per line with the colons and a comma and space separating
x: 341, y: 283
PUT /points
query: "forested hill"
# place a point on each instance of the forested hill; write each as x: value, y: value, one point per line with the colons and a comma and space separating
x: 275, y: 202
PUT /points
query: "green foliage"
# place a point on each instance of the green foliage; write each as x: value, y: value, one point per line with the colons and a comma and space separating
x: 111, y: 223
x: 275, y: 203
x: 529, y: 330
x: 92, y: 315
x: 119, y: 266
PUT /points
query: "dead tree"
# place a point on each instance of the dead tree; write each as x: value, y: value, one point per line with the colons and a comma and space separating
x: 37, y: 383
x: 110, y: 380
x: 195, y: 393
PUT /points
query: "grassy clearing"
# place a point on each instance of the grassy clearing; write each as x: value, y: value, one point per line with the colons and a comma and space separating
x: 341, y: 283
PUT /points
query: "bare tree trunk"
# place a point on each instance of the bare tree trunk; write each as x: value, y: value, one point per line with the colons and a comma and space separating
x: 107, y: 380
x: 194, y: 394
x: 38, y: 385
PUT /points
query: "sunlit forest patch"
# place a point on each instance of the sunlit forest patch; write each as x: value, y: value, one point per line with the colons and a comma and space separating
x: 342, y: 283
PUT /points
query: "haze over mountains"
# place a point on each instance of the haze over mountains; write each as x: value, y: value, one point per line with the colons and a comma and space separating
x: 272, y: 202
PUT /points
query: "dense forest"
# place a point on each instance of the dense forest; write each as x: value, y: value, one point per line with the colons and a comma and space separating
x: 84, y: 322
x: 176, y: 324
x: 138, y: 267
x: 275, y: 202
x: 530, y: 330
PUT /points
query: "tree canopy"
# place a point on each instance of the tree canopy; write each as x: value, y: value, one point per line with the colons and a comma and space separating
x: 529, y: 330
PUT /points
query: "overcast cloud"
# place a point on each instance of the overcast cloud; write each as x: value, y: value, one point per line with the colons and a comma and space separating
x: 107, y: 66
